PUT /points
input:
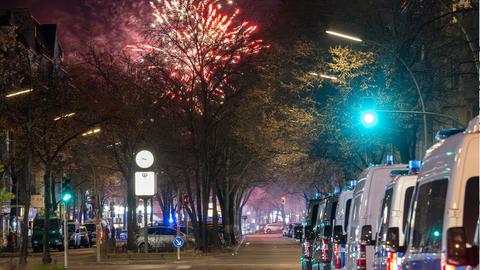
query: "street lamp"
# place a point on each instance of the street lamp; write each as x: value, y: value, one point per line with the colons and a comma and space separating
x: 333, y: 33
x: 17, y: 93
x: 412, y: 76
x: 63, y: 116
x: 329, y: 77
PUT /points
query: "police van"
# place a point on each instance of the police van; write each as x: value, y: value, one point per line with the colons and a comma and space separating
x: 341, y: 226
x: 367, y: 198
x: 394, y: 214
x: 445, y: 208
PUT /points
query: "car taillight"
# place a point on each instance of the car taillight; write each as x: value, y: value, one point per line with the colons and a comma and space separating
x: 307, y: 249
x: 337, y: 256
x: 362, y: 257
x: 391, y: 261
x: 324, y: 251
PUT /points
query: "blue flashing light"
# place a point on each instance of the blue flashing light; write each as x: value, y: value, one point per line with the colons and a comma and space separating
x: 353, y: 183
x: 445, y: 133
x: 389, y: 159
x: 170, y: 219
x: 414, y: 165
x: 337, y: 190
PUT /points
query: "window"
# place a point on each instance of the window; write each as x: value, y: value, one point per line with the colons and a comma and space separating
x: 428, y: 217
x: 385, y: 213
x: 406, y: 206
x: 470, y: 217
x: 168, y: 231
x: 356, y: 207
x: 313, y: 217
x: 347, y: 214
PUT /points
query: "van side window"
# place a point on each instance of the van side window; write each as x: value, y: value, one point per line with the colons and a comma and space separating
x: 347, y: 214
x: 470, y: 216
x: 428, y: 217
x: 406, y: 206
x: 313, y: 217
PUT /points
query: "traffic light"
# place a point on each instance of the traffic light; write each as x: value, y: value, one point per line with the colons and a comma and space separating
x: 283, y: 199
x: 369, y: 118
x: 66, y: 190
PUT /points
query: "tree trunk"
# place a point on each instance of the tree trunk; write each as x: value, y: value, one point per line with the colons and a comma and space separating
x: 27, y: 184
x: 46, y: 259
x: 215, y: 215
x: 52, y: 193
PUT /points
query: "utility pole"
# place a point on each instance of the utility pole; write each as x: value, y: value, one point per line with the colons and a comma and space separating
x: 145, y: 229
x: 97, y: 213
x: 65, y: 235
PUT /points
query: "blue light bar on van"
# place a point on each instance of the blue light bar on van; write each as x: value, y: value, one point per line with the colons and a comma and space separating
x: 337, y: 190
x: 442, y: 134
x: 353, y: 183
x: 389, y: 159
x: 414, y: 165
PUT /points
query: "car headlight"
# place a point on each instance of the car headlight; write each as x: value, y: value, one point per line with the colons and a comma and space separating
x: 35, y: 242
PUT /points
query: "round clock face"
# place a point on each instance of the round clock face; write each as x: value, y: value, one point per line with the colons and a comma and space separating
x: 144, y: 159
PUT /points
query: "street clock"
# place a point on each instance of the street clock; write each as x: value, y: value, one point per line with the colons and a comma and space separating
x: 144, y: 159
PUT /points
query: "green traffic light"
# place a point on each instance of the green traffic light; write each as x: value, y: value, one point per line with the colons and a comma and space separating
x: 369, y: 118
x: 66, y: 197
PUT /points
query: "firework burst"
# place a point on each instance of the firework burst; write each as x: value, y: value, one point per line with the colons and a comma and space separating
x: 195, y: 47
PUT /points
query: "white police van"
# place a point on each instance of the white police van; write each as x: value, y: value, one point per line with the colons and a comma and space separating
x: 341, y: 226
x: 445, y: 208
x: 394, y: 215
x: 367, y: 199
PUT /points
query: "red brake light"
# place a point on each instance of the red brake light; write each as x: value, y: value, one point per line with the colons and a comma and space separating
x: 362, y: 258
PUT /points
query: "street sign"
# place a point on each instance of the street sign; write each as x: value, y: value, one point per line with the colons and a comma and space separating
x: 145, y: 184
x: 178, y: 242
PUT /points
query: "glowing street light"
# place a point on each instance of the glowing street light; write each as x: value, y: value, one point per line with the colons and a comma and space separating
x: 91, y: 132
x: 369, y: 118
x: 333, y: 78
x: 17, y: 93
x: 63, y: 116
x: 333, y: 33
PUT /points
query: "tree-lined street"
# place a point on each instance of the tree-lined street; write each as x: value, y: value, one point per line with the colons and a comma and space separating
x: 132, y: 127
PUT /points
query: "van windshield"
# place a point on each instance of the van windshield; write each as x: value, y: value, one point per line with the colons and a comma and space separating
x: 428, y: 217
x: 53, y: 224
x: 356, y: 206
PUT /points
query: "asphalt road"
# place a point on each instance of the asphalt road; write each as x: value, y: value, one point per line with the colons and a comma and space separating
x: 259, y: 252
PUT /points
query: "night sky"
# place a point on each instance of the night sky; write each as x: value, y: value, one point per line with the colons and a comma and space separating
x: 114, y: 23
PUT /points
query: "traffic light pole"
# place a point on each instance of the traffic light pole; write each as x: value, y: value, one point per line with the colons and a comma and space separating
x: 65, y: 235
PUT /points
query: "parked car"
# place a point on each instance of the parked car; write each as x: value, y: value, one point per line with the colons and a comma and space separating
x: 160, y: 238
x: 367, y: 198
x: 55, y: 238
x: 273, y: 228
x: 288, y: 231
x: 91, y: 231
x: 80, y: 238
x: 314, y: 207
x: 446, y: 204
x: 322, y: 243
x: 298, y: 231
x: 393, y: 219
x: 341, y: 226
